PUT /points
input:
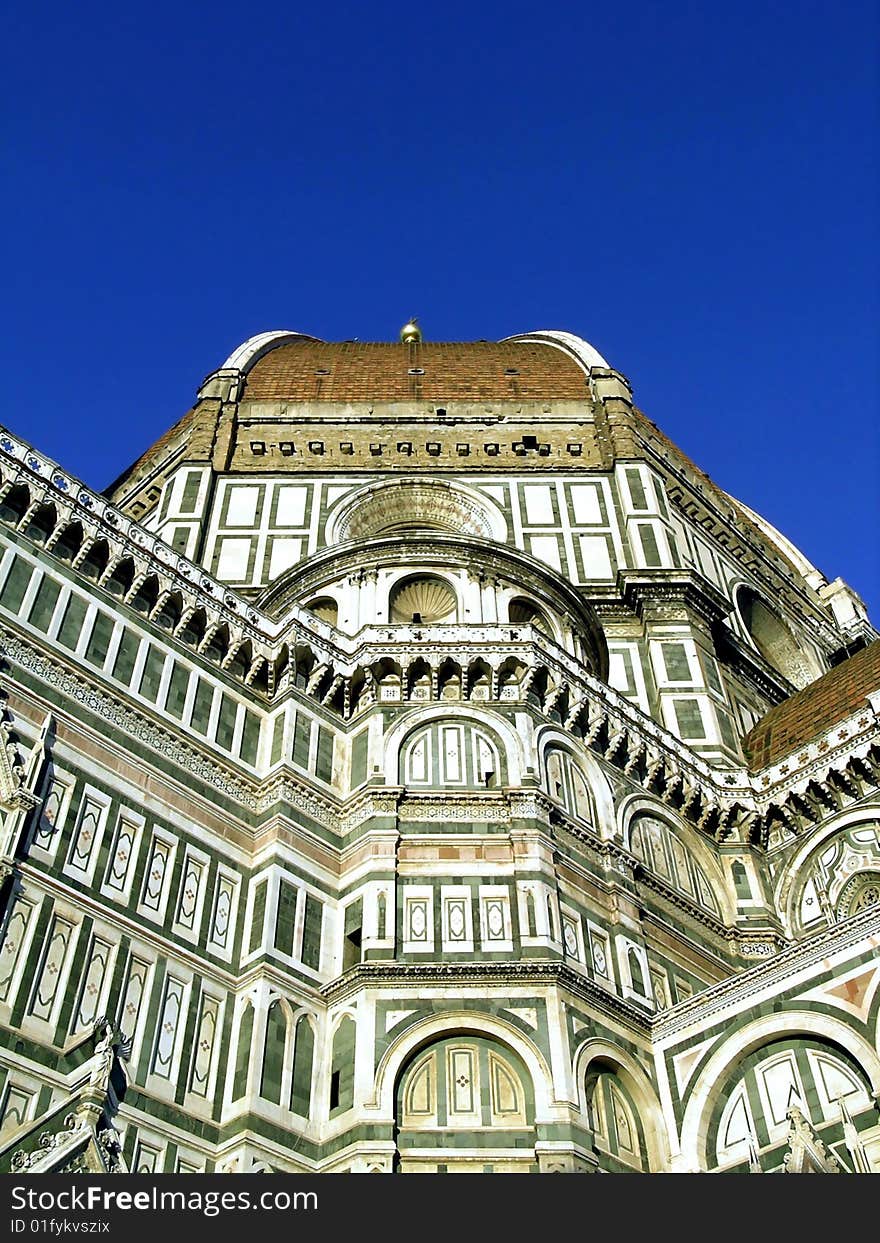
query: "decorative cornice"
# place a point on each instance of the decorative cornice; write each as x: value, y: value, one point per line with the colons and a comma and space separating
x: 706, y: 1007
x: 133, y: 723
x: 685, y: 589
x: 479, y: 975
x: 479, y: 808
x: 645, y: 877
x: 713, y: 798
x: 98, y: 514
x: 848, y: 738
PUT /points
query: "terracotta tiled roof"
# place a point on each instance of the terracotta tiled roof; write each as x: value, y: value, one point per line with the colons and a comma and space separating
x: 815, y: 709
x: 430, y: 371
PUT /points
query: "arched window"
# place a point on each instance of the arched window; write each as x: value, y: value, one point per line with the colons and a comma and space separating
x: 466, y: 1082
x: 522, y: 612
x: 303, y: 1060
x: 661, y: 851
x: 636, y: 975
x: 752, y: 1111
x: 567, y: 784
x: 243, y: 1053
x: 273, y: 1053
x: 530, y: 913
x: 342, y: 1066
x: 614, y: 1121
x: 840, y: 877
x: 452, y: 754
x: 325, y: 608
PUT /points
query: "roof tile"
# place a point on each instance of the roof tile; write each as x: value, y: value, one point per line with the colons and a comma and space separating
x: 815, y: 710
x: 432, y: 371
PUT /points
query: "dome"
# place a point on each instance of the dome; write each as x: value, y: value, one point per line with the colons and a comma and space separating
x: 301, y: 369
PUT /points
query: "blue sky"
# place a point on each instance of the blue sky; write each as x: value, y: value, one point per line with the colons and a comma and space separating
x: 691, y: 187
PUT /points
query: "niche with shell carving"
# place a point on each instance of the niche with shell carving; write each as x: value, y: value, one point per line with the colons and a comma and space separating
x: 424, y: 599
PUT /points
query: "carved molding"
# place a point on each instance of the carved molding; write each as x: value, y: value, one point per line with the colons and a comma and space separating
x: 794, y: 959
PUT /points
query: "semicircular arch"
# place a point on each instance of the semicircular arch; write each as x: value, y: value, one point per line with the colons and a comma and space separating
x: 635, y: 806
x: 640, y: 1087
x: 713, y: 1079
x: 398, y: 1055
x: 394, y: 505
x: 507, y: 737
x: 793, y: 877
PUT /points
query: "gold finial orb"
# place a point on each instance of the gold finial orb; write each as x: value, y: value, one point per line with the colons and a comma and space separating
x: 411, y: 332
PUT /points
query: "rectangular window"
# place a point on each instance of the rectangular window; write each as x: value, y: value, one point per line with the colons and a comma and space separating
x: 250, y: 737
x: 725, y: 724
x: 689, y: 718
x: 284, y: 924
x: 359, y: 758
x: 650, y: 547
x: 16, y: 585
x: 99, y: 640
x: 676, y: 661
x: 712, y: 679
x: 324, y: 767
x: 126, y: 655
x: 302, y: 734
x: 277, y: 739
x: 661, y: 499
x: 311, y: 949
x: 352, y: 944
x: 257, y: 916
x: 226, y: 722
x: 166, y: 503
x: 152, y: 674
x: 174, y: 703
x: 190, y: 491
x: 636, y: 489
x: 43, y: 607
x: 71, y: 627
x: 202, y: 706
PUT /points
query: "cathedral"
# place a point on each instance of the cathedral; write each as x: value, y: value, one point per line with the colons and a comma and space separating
x: 414, y: 763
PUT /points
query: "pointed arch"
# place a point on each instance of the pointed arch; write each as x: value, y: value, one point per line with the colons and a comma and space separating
x: 274, y: 1050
